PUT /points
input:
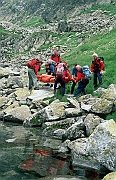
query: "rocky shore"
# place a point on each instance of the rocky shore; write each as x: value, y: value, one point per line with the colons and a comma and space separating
x: 80, y: 124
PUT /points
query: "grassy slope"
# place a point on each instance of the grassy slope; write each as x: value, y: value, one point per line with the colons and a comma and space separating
x: 104, y: 45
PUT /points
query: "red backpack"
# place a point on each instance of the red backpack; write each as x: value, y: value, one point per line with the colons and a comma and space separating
x: 32, y: 62
x: 60, y: 70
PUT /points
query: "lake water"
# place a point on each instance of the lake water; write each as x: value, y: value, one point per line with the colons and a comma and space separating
x: 24, y: 150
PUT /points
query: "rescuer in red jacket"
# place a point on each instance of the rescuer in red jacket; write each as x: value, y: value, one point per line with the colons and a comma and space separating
x: 97, y: 67
x: 34, y: 66
x: 62, y: 79
x: 56, y: 56
x: 82, y: 82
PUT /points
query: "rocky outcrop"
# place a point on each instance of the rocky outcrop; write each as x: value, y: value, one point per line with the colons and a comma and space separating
x: 80, y: 124
x: 102, y: 144
x: 48, y: 10
x: 110, y: 176
x: 26, y: 42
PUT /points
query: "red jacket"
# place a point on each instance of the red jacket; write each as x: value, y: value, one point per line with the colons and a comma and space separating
x: 67, y: 76
x: 97, y: 65
x: 55, y: 57
x: 36, y: 69
x: 80, y: 76
x: 35, y: 65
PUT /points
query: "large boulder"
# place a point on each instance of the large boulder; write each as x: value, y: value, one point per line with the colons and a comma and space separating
x: 110, y: 176
x: 54, y: 111
x: 102, y: 106
x: 17, y: 114
x: 3, y: 101
x: 91, y: 122
x: 109, y: 93
x: 76, y: 130
x: 102, y: 144
x: 14, y: 81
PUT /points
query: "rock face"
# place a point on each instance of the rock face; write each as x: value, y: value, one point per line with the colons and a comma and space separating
x: 48, y: 10
x: 102, y: 144
x: 58, y: 16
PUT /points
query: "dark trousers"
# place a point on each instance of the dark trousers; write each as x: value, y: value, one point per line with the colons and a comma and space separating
x: 62, y: 82
x: 81, y: 87
x: 99, y: 76
x: 73, y: 87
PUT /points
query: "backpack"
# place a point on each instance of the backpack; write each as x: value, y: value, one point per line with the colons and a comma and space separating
x: 50, y: 61
x: 101, y: 58
x: 87, y: 72
x: 32, y: 62
x: 60, y: 70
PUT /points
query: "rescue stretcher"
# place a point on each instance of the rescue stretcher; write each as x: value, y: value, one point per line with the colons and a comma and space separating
x: 50, y: 79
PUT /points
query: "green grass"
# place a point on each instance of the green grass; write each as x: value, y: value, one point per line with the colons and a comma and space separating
x: 108, y: 9
x: 34, y: 22
x: 104, y: 45
x: 111, y: 116
x: 4, y: 34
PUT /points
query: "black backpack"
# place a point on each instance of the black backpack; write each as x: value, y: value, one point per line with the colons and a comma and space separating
x: 101, y: 58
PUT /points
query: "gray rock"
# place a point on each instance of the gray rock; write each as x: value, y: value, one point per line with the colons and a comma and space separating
x: 102, y: 144
x: 17, y: 114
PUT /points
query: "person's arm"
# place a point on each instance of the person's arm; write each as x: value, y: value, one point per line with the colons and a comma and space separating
x: 73, y: 72
x: 52, y: 69
x: 37, y: 69
x: 79, y: 77
x: 67, y: 76
x: 101, y: 66
x: 92, y: 67
x: 46, y: 71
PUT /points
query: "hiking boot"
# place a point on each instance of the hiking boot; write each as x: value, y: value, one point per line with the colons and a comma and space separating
x: 36, y: 88
x: 51, y: 85
x: 47, y: 84
x: 31, y: 90
x: 95, y: 87
x: 101, y: 83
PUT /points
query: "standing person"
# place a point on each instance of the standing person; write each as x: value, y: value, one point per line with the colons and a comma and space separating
x: 74, y: 74
x: 82, y: 81
x: 60, y: 78
x: 97, y: 67
x: 55, y: 56
x: 34, y: 66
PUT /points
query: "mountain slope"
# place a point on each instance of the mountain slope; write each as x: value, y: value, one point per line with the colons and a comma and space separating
x: 49, y: 10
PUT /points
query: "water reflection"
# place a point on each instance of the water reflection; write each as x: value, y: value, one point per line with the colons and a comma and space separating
x: 25, y: 154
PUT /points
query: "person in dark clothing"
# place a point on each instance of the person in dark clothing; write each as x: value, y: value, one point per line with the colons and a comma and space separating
x: 62, y: 79
x: 74, y: 74
x: 97, y: 67
x: 82, y: 82
x: 49, y: 69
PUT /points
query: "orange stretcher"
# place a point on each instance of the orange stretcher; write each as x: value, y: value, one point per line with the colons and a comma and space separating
x: 49, y: 78
x: 46, y: 78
